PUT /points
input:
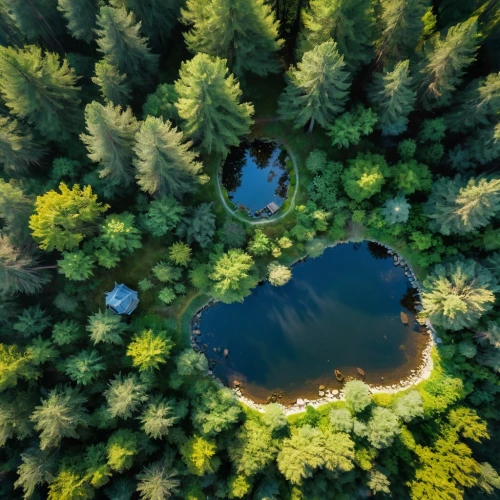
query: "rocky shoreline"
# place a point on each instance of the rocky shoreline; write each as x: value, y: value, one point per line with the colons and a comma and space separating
x: 325, y: 395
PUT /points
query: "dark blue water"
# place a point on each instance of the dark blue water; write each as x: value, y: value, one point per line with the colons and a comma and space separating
x: 255, y: 175
x: 340, y: 311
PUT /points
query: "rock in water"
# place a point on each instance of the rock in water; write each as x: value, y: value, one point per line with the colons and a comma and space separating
x: 361, y: 372
x: 226, y: 353
x: 404, y: 318
x: 322, y: 387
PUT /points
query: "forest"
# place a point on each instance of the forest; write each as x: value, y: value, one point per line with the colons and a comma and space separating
x: 115, y: 116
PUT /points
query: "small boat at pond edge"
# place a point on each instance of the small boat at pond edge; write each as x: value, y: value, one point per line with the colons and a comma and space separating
x: 338, y: 375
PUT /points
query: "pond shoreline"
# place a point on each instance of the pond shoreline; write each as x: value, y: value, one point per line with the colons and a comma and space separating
x: 421, y: 372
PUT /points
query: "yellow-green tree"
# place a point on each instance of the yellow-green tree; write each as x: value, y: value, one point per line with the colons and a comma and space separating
x: 149, y: 350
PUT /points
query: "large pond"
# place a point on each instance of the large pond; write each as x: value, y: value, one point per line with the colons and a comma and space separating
x: 254, y: 175
x: 340, y: 311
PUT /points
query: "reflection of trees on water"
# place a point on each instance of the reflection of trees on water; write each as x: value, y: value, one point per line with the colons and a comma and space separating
x: 408, y: 300
x: 262, y: 152
x: 233, y: 168
x: 282, y: 187
x: 377, y: 251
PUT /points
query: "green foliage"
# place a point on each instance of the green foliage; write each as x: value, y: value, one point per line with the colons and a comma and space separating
x: 80, y: 16
x: 248, y: 40
x: 348, y: 22
x: 432, y: 130
x: 163, y: 216
x: 279, y: 275
x: 162, y: 103
x: 13, y: 365
x: 158, y: 417
x: 106, y: 327
x: 199, y: 226
x: 119, y: 39
x: 457, y: 294
x: 32, y: 321
x: 274, y: 417
x: 447, y: 61
x: 36, y: 468
x: 407, y: 149
x: 351, y: 126
x: 383, y: 427
x: 409, y: 406
x: 124, y: 396
x: 167, y: 295
x: 121, y: 449
x: 259, y: 244
x: 317, y: 89
x: 342, y: 420
x: 62, y: 220
x: 165, y: 163
x: 149, y: 349
x: 365, y: 176
x: 209, y: 104
x: 393, y: 98
x: 76, y: 266
x: 157, y: 481
x: 39, y: 88
x: 59, y: 416
x: 118, y: 233
x: 85, y: 366
x: 410, y: 176
x: 396, y: 210
x: 199, y: 455
x: 180, y: 254
x: 165, y: 273
x: 316, y: 161
x: 109, y: 140
x: 112, y: 84
x: 357, y: 395
x: 66, y: 332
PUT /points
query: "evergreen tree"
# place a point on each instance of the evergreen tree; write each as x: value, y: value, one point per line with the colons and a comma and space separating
x: 163, y: 216
x: 118, y: 233
x: 39, y: 88
x: 112, y: 84
x: 484, y: 147
x: 348, y: 22
x: 200, y: 226
x: 157, y: 481
x: 477, y: 105
x: 18, y: 151
x: 124, y: 396
x: 365, y: 176
x: 247, y: 38
x: 76, y: 266
x: 317, y: 90
x: 9, y: 32
x: 396, y: 210
x: 209, y: 104
x: 157, y: 17
x: 158, y: 417
x: 410, y: 176
x: 149, y: 349
x: 383, y: 427
x: 85, y: 366
x: 19, y: 272
x: 119, y: 40
x: 80, y: 16
x: 180, y: 254
x: 106, y: 327
x: 458, y: 208
x: 199, y: 455
x: 162, y: 103
x: 59, y: 416
x: 62, y: 220
x: 165, y: 163
x: 121, y: 449
x: 446, y: 63
x: 37, y: 468
x: 402, y: 26
x: 15, y: 210
x: 456, y: 295
x: 393, y: 98
x: 110, y: 140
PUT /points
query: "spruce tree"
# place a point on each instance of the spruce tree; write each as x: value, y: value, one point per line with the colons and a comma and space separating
x: 458, y: 208
x: 80, y: 16
x: 119, y: 39
x: 244, y: 32
x: 165, y: 163
x: 112, y: 84
x: 477, y: 105
x: 9, y: 32
x: 18, y: 150
x: 317, y: 90
x: 209, y: 104
x: 110, y: 139
x: 15, y: 210
x: 393, y: 98
x: 484, y: 147
x: 348, y: 22
x: 40, y: 89
x: 446, y: 63
x: 401, y: 26
x: 158, y: 17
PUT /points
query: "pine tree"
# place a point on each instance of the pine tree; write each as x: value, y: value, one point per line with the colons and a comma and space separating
x: 456, y: 295
x: 118, y: 233
x: 9, y: 32
x: 165, y: 163
x: 124, y: 396
x: 106, y: 327
x: 40, y: 89
x: 110, y: 140
x: 59, y: 416
x: 15, y: 210
x: 158, y: 481
x: 484, y: 147
x: 76, y: 266
x: 393, y: 98
x: 402, y: 26
x: 119, y: 40
x: 112, y: 84
x: 458, y: 208
x: 396, y: 210
x: 18, y: 151
x: 19, y: 271
x: 209, y: 104
x: 246, y: 38
x: 317, y: 90
x: 37, y: 467
x: 163, y: 216
x: 157, y: 17
x: 446, y: 63
x: 85, y: 366
x: 80, y: 16
x: 477, y: 105
x: 62, y: 220
x: 180, y: 254
x: 348, y: 22
x: 158, y: 417
x: 149, y: 350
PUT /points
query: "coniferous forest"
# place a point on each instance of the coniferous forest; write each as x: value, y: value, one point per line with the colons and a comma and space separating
x: 115, y: 116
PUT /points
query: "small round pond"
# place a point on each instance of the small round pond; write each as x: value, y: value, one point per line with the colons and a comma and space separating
x: 341, y: 311
x: 254, y: 175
